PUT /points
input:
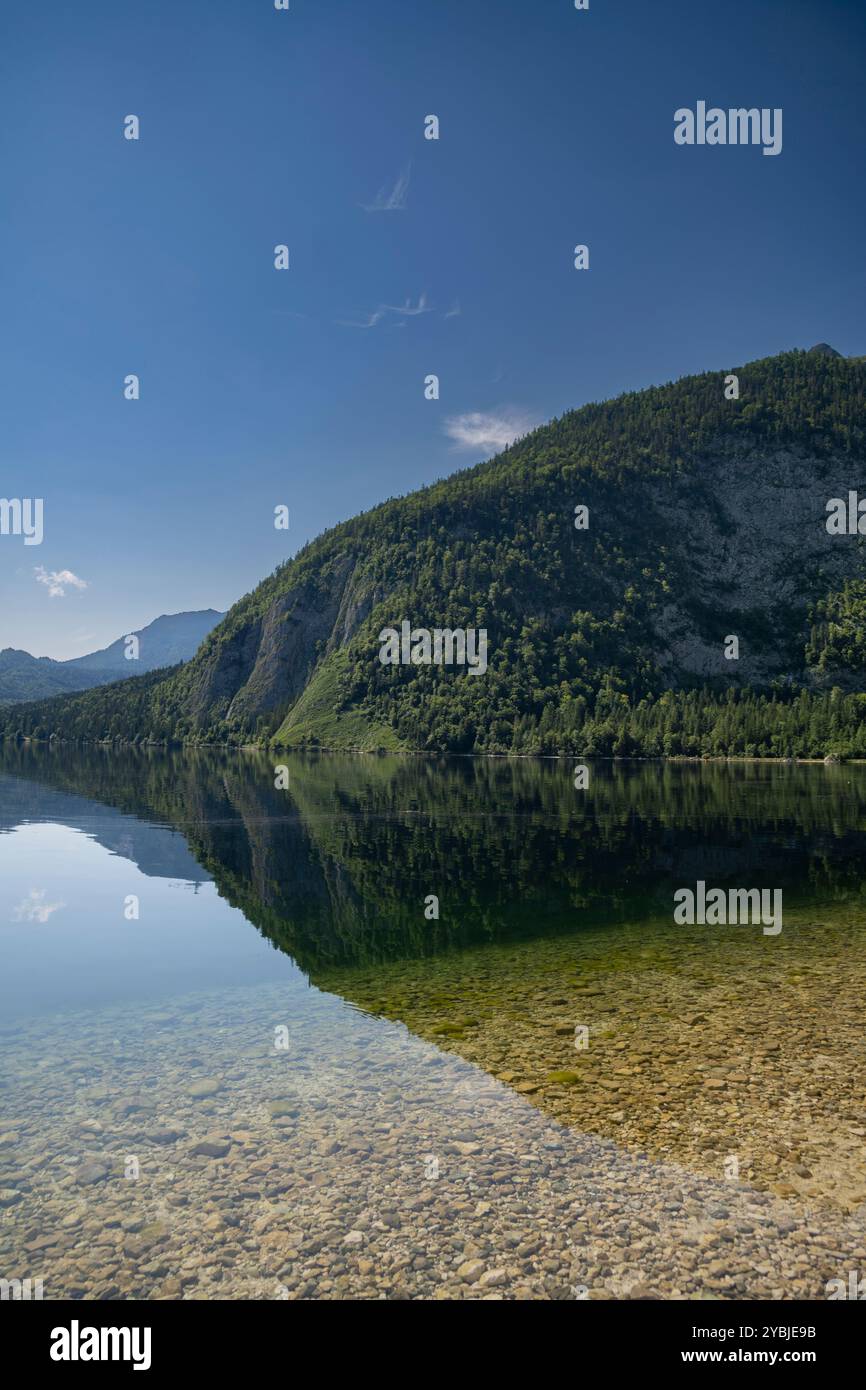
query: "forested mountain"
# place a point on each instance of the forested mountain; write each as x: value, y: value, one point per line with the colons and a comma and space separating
x: 26, y: 677
x: 707, y: 520
x: 173, y: 638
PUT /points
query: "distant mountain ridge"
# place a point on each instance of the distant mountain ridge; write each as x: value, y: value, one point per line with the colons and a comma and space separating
x: 168, y: 640
x: 171, y: 638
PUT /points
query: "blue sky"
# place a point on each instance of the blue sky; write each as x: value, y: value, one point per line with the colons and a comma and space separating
x: 306, y: 127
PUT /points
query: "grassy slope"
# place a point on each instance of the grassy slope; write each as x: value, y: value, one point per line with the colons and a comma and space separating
x: 316, y: 718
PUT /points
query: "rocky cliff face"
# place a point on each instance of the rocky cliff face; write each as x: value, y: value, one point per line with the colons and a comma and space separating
x: 262, y: 660
x: 756, y: 554
x: 297, y: 627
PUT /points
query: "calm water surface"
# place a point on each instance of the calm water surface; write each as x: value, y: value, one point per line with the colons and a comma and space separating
x: 214, y: 991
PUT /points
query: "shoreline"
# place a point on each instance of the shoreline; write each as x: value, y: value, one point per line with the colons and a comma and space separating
x: 830, y: 761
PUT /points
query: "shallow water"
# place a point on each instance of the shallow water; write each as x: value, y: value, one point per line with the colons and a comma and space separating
x: 241, y: 1058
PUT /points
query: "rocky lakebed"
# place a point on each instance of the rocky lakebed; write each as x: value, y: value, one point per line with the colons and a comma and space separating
x: 212, y: 1148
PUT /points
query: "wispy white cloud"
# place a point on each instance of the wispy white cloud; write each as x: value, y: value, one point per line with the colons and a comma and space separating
x: 370, y: 321
x: 455, y: 311
x: 393, y: 200
x: 487, y: 432
x: 408, y: 310
x: 58, y: 581
x: 34, y: 908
